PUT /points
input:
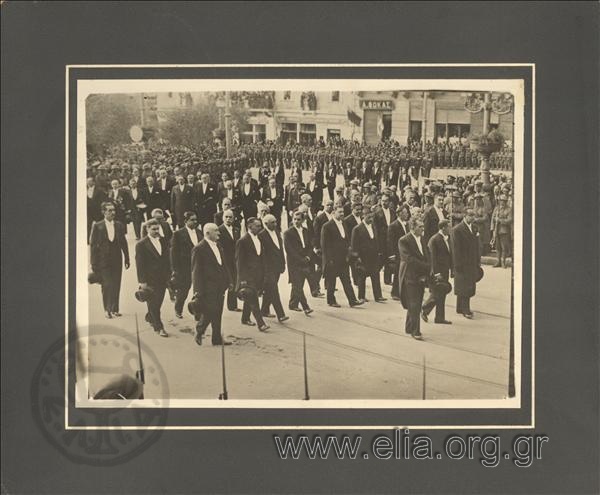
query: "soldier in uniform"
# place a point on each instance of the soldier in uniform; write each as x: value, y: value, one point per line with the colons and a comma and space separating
x: 502, y: 229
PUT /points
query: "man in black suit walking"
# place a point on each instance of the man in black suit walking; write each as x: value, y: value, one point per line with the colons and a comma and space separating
x: 397, y: 229
x: 136, y: 207
x: 153, y: 271
x: 164, y: 229
x: 210, y: 279
x: 383, y: 219
x: 229, y: 235
x: 182, y: 244
x: 298, y: 252
x: 466, y: 258
x: 206, y: 200
x: 95, y: 198
x: 249, y: 260
x: 365, y: 248
x: 335, y: 244
x: 440, y: 253
x: 182, y: 201
x: 274, y: 267
x: 272, y: 196
x: 152, y: 197
x: 108, y: 247
x: 433, y: 217
x: 413, y: 274
x: 249, y: 195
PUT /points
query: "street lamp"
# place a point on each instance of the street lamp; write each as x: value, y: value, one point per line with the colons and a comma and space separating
x: 220, y: 103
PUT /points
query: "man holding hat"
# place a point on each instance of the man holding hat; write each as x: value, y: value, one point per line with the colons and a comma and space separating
x: 466, y: 260
x: 440, y: 253
x: 210, y: 279
x: 108, y: 247
x: 153, y: 272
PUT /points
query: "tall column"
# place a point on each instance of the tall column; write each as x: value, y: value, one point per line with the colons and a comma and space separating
x: 142, y: 115
x: 228, y: 124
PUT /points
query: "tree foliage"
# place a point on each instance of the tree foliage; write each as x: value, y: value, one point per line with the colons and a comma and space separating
x: 109, y: 118
x: 194, y: 126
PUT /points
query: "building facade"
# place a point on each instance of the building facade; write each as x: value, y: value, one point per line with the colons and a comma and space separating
x: 370, y: 117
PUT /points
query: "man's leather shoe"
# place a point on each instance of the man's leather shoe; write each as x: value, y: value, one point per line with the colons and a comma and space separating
x: 444, y: 322
x: 162, y: 333
x: 317, y: 293
x: 236, y: 310
x: 295, y: 309
x: 264, y: 328
x: 283, y: 318
x: 223, y: 342
x: 334, y: 305
x: 178, y: 315
x: 468, y: 316
x: 198, y: 339
x: 117, y: 314
x: 424, y: 317
x: 380, y: 299
x: 308, y: 311
x: 417, y: 337
x: 396, y: 298
x: 249, y: 323
x: 268, y: 315
x: 147, y: 318
x: 108, y: 314
x: 357, y: 303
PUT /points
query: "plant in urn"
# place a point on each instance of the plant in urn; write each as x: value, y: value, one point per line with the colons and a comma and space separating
x: 486, y: 144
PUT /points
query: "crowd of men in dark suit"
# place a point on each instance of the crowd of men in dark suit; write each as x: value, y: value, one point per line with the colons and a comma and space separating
x: 386, y: 217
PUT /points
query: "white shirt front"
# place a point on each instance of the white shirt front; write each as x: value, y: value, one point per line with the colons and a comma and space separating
x: 182, y: 187
x: 247, y: 188
x: 445, y: 237
x: 256, y: 242
x: 358, y: 219
x: 340, y: 227
x: 469, y: 227
x: 229, y: 229
x: 418, y: 240
x: 370, y: 230
x: 110, y: 230
x: 215, y: 250
x: 273, y: 192
x: 91, y: 192
x: 273, y: 235
x: 134, y: 193
x: 440, y: 212
x: 204, y: 188
x: 301, y: 236
x: 161, y: 231
x: 156, y: 243
x: 230, y: 193
x: 163, y: 184
x: 387, y: 215
x: 193, y: 235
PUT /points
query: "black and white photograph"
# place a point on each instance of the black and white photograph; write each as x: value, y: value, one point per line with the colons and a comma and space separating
x: 302, y: 243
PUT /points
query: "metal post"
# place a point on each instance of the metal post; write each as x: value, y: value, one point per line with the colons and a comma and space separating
x: 224, y: 395
x: 424, y: 130
x: 511, y: 363
x: 228, y: 124
x: 485, y: 157
x: 306, y: 396
x: 424, y: 378
x: 142, y: 114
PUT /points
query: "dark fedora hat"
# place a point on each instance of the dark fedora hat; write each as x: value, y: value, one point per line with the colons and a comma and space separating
x: 195, y: 306
x: 443, y: 286
x: 479, y: 274
x: 94, y: 278
x: 142, y: 295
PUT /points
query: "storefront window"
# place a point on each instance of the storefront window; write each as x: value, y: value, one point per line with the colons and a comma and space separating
x: 289, y: 132
x: 458, y: 133
x: 415, y: 130
x: 308, y: 134
x: 287, y: 95
x: 333, y: 135
x: 335, y: 96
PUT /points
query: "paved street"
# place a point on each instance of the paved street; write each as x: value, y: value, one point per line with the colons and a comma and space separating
x: 360, y: 353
